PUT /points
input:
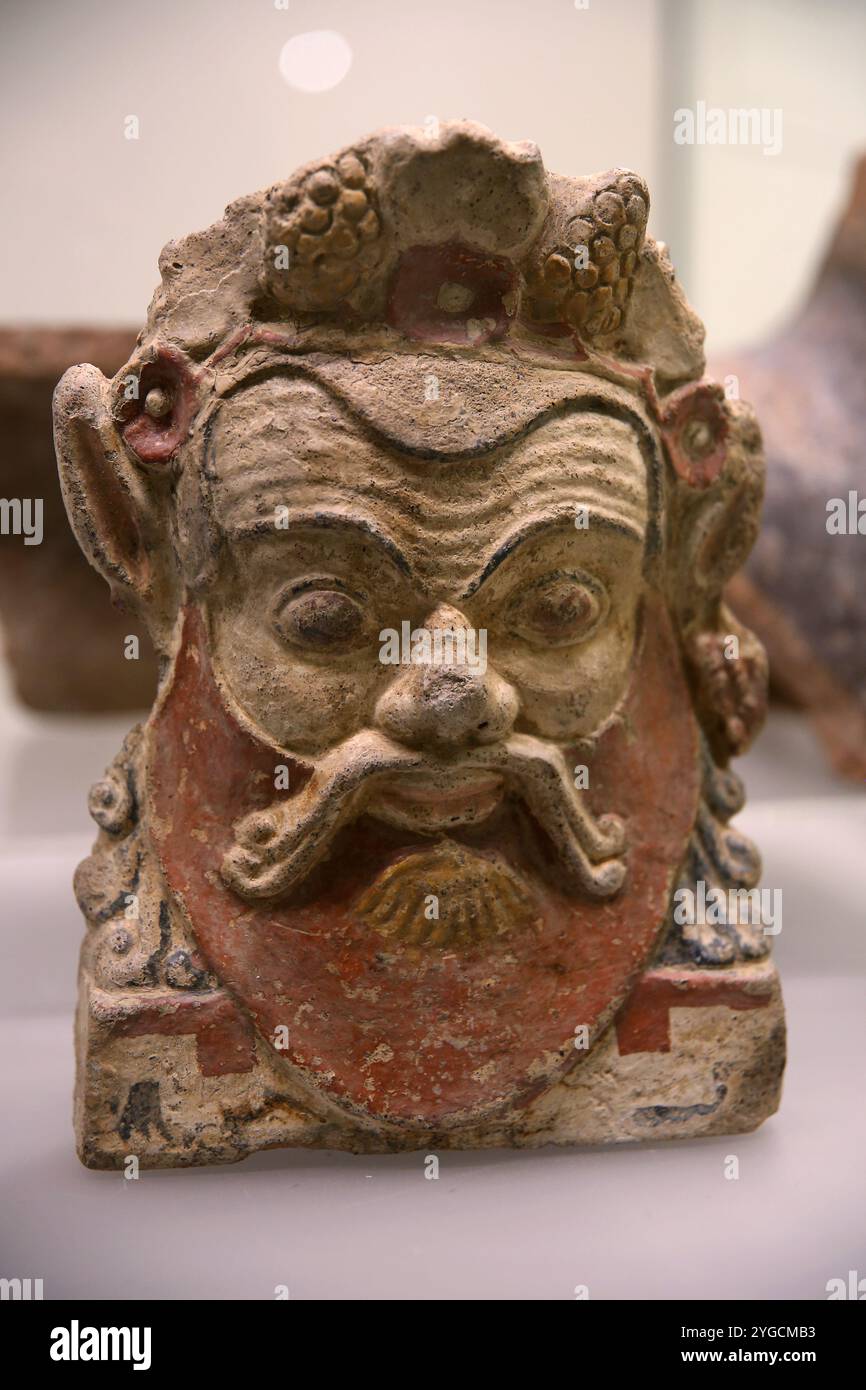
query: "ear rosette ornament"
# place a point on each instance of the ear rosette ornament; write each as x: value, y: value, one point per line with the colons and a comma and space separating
x: 696, y: 427
x: 155, y: 419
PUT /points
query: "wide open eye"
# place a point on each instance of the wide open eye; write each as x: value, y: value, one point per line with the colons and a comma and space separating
x: 559, y: 609
x: 322, y: 619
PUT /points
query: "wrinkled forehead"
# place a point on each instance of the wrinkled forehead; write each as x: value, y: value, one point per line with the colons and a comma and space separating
x: 284, y: 448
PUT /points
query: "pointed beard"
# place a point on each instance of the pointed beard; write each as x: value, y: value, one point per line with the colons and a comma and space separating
x: 446, y: 896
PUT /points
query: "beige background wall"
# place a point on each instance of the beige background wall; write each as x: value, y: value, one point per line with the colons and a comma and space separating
x: 88, y: 210
x: 218, y: 120
x: 755, y: 224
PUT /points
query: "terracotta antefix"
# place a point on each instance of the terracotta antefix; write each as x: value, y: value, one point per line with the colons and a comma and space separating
x: 415, y: 479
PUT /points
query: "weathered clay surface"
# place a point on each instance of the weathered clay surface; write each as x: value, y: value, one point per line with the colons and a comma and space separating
x: 63, y: 642
x: 803, y: 591
x: 429, y: 511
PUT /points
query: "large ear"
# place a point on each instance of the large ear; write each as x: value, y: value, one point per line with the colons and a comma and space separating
x: 118, y: 511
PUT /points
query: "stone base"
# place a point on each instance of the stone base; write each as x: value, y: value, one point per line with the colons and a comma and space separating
x: 180, y: 1078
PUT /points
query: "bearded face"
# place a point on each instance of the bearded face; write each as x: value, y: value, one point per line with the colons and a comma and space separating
x: 429, y: 519
x: 442, y: 864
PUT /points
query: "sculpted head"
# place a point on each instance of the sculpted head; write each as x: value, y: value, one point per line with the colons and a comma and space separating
x: 417, y: 484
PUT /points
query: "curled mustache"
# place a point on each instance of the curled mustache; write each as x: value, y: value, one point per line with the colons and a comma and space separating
x: 275, y: 849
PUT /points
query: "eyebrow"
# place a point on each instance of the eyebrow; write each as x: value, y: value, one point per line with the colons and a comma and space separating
x: 329, y: 521
x: 546, y: 523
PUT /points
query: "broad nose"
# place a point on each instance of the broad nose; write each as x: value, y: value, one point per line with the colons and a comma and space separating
x: 448, y: 697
